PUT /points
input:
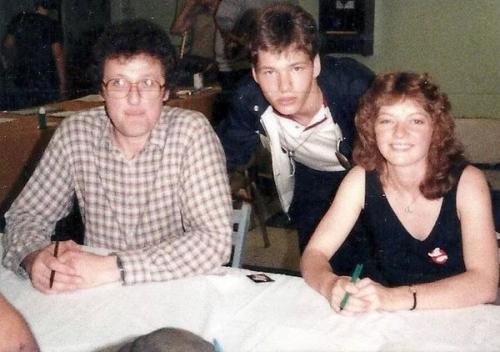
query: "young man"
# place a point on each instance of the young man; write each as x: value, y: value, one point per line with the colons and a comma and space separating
x: 150, y: 180
x: 303, y: 109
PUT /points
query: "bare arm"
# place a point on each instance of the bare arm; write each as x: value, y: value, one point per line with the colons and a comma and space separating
x: 58, y: 52
x: 479, y: 283
x: 329, y: 236
x: 15, y: 334
x: 183, y: 22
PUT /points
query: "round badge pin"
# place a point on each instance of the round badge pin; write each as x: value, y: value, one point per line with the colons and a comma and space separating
x: 438, y: 256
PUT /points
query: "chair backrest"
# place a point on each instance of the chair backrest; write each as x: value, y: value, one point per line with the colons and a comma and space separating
x: 241, y: 223
x: 480, y: 139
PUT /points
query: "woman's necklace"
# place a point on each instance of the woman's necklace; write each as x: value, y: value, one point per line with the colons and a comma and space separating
x: 409, y: 208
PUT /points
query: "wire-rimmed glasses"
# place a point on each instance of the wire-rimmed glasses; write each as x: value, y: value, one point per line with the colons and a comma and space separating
x: 120, y: 87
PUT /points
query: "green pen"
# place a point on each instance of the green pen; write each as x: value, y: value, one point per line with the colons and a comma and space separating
x: 354, y: 278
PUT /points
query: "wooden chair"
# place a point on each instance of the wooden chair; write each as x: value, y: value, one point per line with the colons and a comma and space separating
x: 480, y: 139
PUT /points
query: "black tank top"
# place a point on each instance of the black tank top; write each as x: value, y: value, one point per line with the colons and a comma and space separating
x: 401, y: 259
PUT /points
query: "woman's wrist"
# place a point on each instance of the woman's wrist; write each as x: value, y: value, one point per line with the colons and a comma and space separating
x: 327, y: 282
x: 399, y: 298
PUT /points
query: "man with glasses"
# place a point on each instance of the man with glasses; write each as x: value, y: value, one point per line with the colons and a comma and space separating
x: 302, y: 107
x: 150, y: 180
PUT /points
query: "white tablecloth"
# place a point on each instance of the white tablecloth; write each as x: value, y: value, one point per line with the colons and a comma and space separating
x: 285, y: 315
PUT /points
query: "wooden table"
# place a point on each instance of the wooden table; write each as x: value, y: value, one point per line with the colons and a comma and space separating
x: 202, y: 101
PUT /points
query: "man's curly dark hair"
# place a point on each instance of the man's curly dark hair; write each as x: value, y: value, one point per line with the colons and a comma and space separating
x: 130, y: 38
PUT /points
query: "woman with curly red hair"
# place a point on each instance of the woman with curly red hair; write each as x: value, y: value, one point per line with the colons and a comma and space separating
x: 428, y: 212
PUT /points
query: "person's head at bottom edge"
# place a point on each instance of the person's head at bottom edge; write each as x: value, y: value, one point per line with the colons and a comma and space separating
x: 168, y: 340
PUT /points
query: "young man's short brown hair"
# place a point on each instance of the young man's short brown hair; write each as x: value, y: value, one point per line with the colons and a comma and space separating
x: 282, y: 26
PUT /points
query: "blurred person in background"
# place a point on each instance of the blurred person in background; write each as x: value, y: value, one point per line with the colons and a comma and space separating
x: 37, y: 59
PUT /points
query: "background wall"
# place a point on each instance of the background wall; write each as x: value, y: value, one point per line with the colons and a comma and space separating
x: 457, y: 41
x: 159, y: 11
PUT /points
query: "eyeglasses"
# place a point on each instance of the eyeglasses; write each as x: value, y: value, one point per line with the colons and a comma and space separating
x: 343, y: 160
x: 120, y: 87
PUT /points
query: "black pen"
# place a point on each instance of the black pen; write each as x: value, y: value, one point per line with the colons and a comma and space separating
x: 53, y: 273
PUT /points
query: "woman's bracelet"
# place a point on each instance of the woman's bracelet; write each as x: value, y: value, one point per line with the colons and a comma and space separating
x: 413, y: 291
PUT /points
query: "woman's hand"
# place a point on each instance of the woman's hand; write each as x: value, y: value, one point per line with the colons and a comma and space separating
x: 367, y: 295
x: 378, y: 297
x: 355, y: 304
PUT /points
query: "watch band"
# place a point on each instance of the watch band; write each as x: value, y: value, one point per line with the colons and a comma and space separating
x: 119, y: 264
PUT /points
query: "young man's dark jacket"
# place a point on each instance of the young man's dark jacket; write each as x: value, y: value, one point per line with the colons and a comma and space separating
x: 342, y: 82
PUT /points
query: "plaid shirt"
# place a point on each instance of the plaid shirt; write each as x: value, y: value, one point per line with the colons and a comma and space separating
x: 166, y: 213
